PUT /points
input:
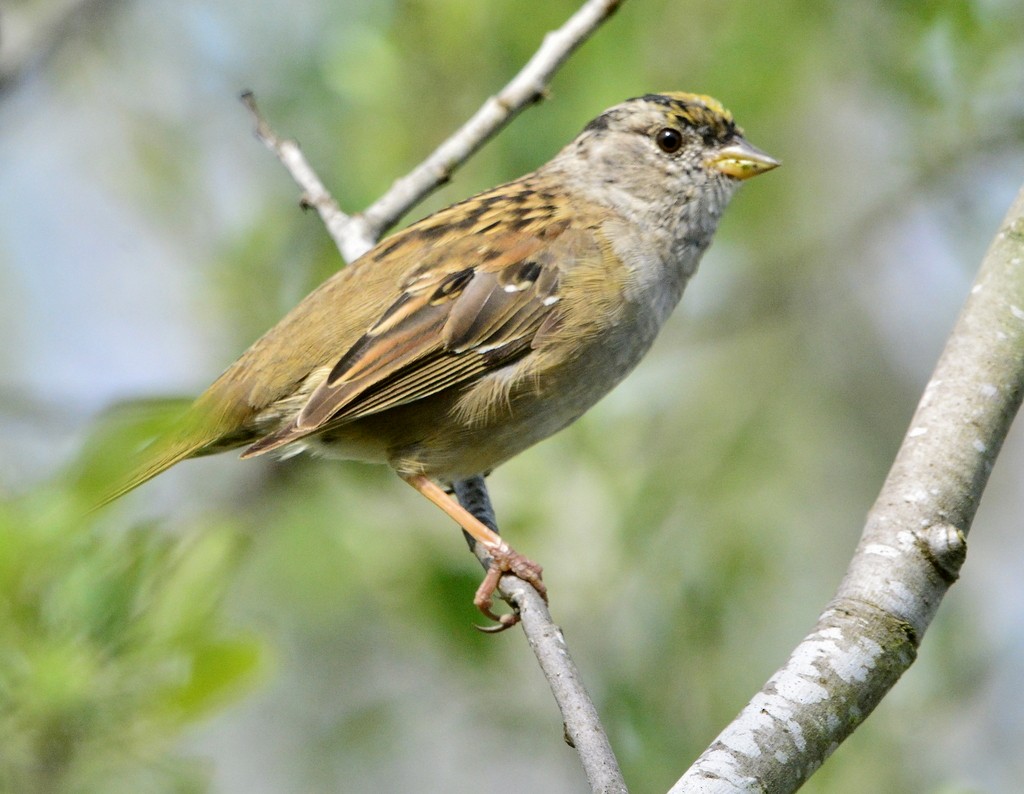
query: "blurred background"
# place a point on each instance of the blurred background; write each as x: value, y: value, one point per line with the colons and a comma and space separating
x: 306, y: 626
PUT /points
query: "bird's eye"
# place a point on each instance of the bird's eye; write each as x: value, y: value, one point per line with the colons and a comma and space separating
x: 669, y: 140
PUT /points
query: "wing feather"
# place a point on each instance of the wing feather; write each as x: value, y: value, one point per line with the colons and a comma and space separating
x: 450, y: 325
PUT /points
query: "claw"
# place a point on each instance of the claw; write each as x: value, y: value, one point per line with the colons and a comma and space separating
x: 506, y: 560
x: 503, y: 558
x: 504, y: 622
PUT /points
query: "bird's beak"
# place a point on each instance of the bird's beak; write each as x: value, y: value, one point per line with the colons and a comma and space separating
x: 741, y: 160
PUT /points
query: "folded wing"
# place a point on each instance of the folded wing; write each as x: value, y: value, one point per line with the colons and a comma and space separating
x: 456, y: 320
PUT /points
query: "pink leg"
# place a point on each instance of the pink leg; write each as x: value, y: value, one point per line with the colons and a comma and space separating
x: 504, y: 559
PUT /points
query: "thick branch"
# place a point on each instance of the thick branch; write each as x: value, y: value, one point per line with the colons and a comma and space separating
x: 910, y: 552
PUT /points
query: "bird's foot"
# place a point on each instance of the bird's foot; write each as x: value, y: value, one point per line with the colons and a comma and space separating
x: 505, y: 559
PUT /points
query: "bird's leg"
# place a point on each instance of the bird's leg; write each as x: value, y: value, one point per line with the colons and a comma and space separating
x: 504, y: 559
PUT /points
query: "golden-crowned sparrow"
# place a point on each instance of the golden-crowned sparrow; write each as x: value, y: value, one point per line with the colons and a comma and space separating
x: 491, y: 324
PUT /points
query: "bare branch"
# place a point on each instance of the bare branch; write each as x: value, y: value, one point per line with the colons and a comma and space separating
x: 356, y: 234
x: 910, y: 552
x: 314, y: 193
x: 526, y: 87
x: 583, y: 728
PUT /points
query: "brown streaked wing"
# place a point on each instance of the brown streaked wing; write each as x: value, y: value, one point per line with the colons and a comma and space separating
x: 441, y: 332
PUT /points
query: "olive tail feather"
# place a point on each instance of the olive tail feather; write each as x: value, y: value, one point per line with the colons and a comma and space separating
x: 148, y: 463
x: 138, y: 440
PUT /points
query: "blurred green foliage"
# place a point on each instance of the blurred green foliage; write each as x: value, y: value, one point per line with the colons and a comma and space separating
x: 691, y: 527
x: 112, y: 642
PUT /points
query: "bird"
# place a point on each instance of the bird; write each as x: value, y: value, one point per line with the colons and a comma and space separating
x: 487, y: 326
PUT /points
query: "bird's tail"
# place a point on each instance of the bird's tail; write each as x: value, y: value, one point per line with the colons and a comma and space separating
x: 138, y: 441
x: 155, y: 459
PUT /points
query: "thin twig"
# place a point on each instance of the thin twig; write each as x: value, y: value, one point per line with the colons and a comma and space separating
x: 583, y: 729
x: 526, y: 87
x: 910, y: 553
x: 354, y: 235
x: 314, y: 193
